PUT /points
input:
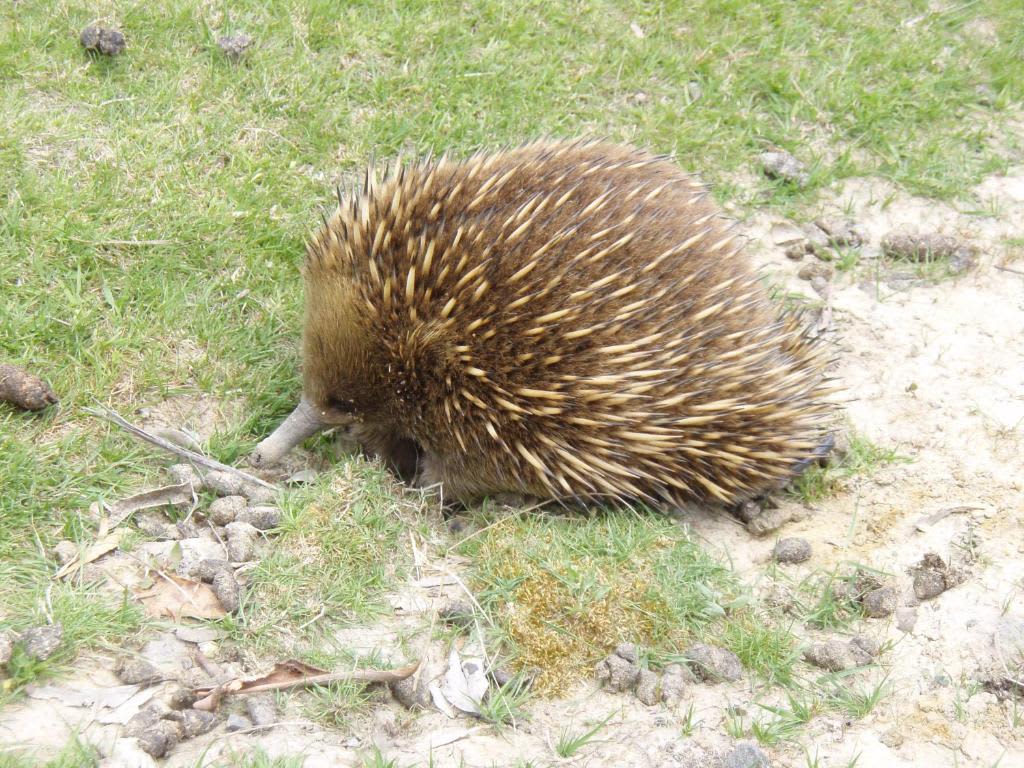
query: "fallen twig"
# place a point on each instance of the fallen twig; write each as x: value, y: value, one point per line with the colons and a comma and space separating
x: 1009, y: 269
x: 291, y: 674
x: 196, y: 458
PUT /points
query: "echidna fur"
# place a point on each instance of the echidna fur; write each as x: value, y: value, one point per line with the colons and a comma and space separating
x: 568, y: 320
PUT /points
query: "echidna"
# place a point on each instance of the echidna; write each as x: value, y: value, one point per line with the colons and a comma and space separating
x: 564, y: 320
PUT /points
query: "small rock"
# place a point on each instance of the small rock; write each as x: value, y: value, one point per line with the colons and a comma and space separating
x: 109, y: 42
x: 795, y: 252
x: 627, y: 651
x: 238, y: 722
x: 186, y: 473
x: 6, y: 648
x: 770, y: 520
x: 792, y: 550
x: 674, y: 681
x: 746, y: 754
x: 225, y: 587
x: 66, y: 551
x: 647, y: 687
x: 41, y: 642
x: 257, y: 494
x: 712, y: 664
x: 617, y: 673
x: 196, y: 722
x: 234, y: 46
x: 207, y: 568
x: 224, y: 510
x: 182, y: 698
x: 224, y: 483
x: 932, y: 577
x: 782, y: 165
x: 892, y: 738
x: 833, y: 655
x: 261, y: 709
x: 146, y: 718
x: 879, y: 603
x: 412, y: 693
x: 134, y: 671
x: 159, y: 739
x: 906, y: 618
x: 912, y: 245
x: 155, y: 526
x: 187, y: 529
x: 261, y: 518
x: 815, y: 269
x: 241, y: 541
x: 863, y: 649
x: 842, y: 232
x: 458, y: 613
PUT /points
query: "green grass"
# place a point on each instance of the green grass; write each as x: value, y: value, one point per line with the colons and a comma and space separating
x: 153, y: 209
x: 76, y: 754
x: 862, y: 458
x: 570, y: 742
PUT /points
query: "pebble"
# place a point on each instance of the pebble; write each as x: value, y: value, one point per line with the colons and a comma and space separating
x: 238, y: 722
x: 241, y: 541
x: 134, y: 671
x: 879, y: 603
x: 196, y: 722
x: 792, y: 550
x: 906, y: 618
x: 863, y: 649
x: 224, y: 510
x: 234, y: 46
x: 833, y: 655
x: 746, y: 754
x: 261, y: 709
x: 65, y: 551
x: 674, y: 680
x: 647, y: 687
x: 159, y: 739
x: 109, y: 42
x: 207, y: 568
x: 815, y: 269
x: 458, y: 613
x: 617, y: 672
x: 782, y: 165
x: 262, y: 518
x: 225, y: 587
x: 257, y: 494
x: 932, y: 577
x: 912, y: 245
x: 412, y: 693
x: 41, y: 642
x: 155, y: 526
x: 842, y: 232
x: 224, y: 483
x: 712, y: 664
x: 6, y: 648
x: 186, y: 473
x: 795, y: 252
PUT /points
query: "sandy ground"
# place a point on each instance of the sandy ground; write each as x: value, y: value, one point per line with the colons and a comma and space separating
x: 935, y: 370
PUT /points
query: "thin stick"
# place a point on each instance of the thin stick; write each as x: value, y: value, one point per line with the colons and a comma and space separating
x: 123, y: 242
x: 1008, y: 269
x: 196, y: 458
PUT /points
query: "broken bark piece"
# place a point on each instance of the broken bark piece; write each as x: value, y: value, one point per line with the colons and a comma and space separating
x: 23, y: 390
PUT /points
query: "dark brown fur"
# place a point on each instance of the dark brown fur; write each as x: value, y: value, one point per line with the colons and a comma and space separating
x: 566, y: 320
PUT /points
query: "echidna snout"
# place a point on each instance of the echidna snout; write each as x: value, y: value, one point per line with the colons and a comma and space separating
x: 564, y: 320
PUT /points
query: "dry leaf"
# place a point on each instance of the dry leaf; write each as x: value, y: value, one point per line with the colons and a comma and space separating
x: 465, y: 683
x: 105, y: 542
x: 295, y: 674
x: 177, y: 598
x: 173, y: 495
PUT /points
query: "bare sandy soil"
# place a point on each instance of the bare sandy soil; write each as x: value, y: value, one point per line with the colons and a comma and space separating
x: 935, y: 369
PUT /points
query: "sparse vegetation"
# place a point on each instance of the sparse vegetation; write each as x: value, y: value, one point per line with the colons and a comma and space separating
x: 862, y: 458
